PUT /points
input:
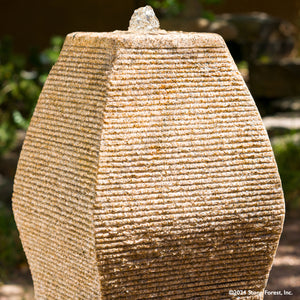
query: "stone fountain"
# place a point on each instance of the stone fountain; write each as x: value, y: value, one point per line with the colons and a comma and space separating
x: 147, y: 173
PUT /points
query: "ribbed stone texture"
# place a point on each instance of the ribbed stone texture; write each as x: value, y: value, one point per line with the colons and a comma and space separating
x: 147, y: 173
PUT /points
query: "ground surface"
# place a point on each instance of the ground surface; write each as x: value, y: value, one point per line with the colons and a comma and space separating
x: 285, y: 274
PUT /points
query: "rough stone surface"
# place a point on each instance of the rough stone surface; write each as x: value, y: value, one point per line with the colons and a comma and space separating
x: 143, y: 19
x: 147, y: 173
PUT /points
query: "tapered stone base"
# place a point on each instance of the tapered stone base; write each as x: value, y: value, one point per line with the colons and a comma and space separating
x: 147, y: 173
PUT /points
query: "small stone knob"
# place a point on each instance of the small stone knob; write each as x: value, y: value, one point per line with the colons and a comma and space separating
x: 143, y: 20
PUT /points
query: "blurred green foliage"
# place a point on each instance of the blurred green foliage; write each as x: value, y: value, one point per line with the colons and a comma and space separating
x: 207, y: 13
x: 172, y: 8
x: 21, y: 81
x: 287, y: 154
x: 167, y: 7
x: 11, y: 252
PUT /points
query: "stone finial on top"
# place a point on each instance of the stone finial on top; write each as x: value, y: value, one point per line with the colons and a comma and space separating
x: 143, y: 19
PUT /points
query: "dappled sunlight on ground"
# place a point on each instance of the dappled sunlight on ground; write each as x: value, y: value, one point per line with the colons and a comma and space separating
x: 285, y: 274
x: 16, y: 292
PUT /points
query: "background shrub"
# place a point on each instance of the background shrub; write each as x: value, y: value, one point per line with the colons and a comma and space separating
x: 21, y: 81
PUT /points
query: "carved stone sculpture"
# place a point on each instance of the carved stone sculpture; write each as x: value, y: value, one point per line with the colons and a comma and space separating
x: 146, y: 172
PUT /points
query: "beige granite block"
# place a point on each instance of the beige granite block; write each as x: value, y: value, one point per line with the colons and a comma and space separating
x: 147, y: 173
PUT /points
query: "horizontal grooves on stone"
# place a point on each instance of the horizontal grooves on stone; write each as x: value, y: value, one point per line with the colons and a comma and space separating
x: 167, y: 152
x: 216, y: 268
x: 150, y: 50
x: 212, y: 152
x: 112, y: 253
x: 186, y: 182
x: 57, y: 254
x: 156, y: 257
x: 201, y: 91
x: 192, y: 177
x: 169, y: 86
x: 168, y: 224
x: 214, y: 118
x: 63, y: 128
x: 56, y: 180
x: 132, y: 81
x: 178, y: 291
x: 188, y: 200
x: 192, y: 193
x: 92, y: 69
